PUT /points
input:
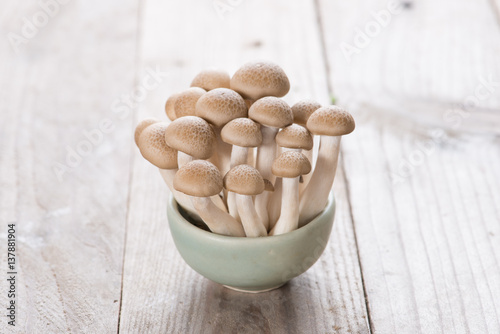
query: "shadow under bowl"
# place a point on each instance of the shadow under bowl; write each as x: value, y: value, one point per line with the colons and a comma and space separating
x: 251, y: 264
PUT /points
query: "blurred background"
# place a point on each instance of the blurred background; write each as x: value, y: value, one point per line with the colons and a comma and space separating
x: 416, y: 245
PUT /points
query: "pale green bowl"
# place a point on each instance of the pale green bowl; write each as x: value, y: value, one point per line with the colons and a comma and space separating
x: 251, y: 264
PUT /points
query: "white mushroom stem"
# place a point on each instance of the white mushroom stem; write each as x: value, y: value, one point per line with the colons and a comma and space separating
x: 274, y: 206
x: 223, y: 152
x: 289, y: 217
x: 315, y: 196
x: 249, y: 218
x: 218, y: 221
x: 251, y: 157
x: 265, y: 157
x: 183, y: 158
x: 183, y: 199
x: 239, y: 156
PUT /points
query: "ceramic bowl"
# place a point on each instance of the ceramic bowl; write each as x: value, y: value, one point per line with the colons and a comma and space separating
x: 251, y: 264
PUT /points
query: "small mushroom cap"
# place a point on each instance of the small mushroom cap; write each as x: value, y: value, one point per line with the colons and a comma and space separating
x: 198, y: 178
x: 271, y: 111
x: 211, y: 79
x: 244, y: 180
x: 191, y: 135
x: 303, y: 109
x: 331, y: 121
x: 154, y: 148
x: 268, y: 185
x: 185, y: 103
x: 221, y: 105
x: 295, y: 136
x: 256, y: 80
x: 242, y: 132
x: 141, y: 126
x: 291, y: 164
x: 170, y: 107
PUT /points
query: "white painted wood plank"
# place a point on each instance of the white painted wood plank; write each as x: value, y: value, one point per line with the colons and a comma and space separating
x: 425, y: 206
x: 162, y: 294
x: 70, y: 231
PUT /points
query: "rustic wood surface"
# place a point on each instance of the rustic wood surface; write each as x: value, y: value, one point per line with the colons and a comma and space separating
x: 416, y: 241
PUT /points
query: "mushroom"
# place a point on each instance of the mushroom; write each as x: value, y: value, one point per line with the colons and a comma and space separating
x: 170, y: 107
x: 154, y: 149
x: 259, y: 79
x: 330, y: 123
x: 272, y: 113
x: 289, y: 166
x: 141, y: 126
x: 245, y: 181
x: 201, y: 180
x: 193, y: 138
x: 302, y: 110
x: 211, y: 79
x: 242, y: 133
x: 218, y: 107
x: 291, y: 138
x: 185, y: 102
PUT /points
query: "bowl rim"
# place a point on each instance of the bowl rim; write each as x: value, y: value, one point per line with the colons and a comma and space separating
x: 173, y: 206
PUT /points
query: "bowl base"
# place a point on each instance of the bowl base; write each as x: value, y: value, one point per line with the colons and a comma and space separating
x: 253, y: 291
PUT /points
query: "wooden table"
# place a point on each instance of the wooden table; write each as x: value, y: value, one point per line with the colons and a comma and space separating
x: 416, y: 243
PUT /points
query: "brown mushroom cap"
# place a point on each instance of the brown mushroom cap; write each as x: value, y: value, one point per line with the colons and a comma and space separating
x: 221, y: 105
x: 154, y: 149
x: 268, y: 185
x: 244, y: 180
x: 198, y: 178
x: 271, y: 111
x: 211, y: 79
x: 331, y: 121
x: 191, y: 135
x: 291, y: 164
x: 185, y: 103
x: 256, y: 80
x: 303, y: 109
x: 295, y: 136
x: 170, y: 107
x: 141, y: 126
x: 242, y: 132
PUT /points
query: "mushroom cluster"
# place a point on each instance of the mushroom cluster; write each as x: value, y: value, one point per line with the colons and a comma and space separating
x: 238, y: 158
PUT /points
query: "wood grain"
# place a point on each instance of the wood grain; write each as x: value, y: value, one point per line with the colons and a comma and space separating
x: 70, y: 231
x: 423, y: 188
x: 160, y: 293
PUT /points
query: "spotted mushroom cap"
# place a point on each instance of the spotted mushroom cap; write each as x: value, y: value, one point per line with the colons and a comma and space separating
x: 154, y: 148
x: 141, y: 126
x: 242, y: 132
x: 259, y: 79
x: 271, y: 111
x: 291, y: 164
x: 220, y: 106
x: 211, y: 79
x: 244, y: 180
x: 331, y: 121
x: 198, y: 178
x: 185, y: 102
x: 170, y: 107
x: 295, y: 136
x: 303, y: 109
x: 191, y: 135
